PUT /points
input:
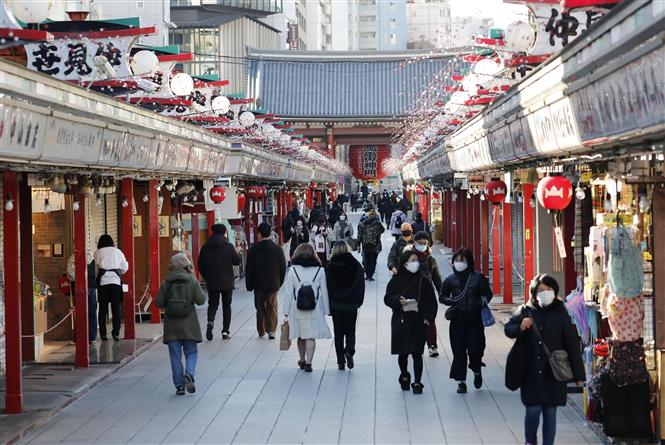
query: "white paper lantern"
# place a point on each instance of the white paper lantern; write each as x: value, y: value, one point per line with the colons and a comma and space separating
x: 459, y: 97
x: 487, y: 67
x: 221, y: 104
x: 470, y: 84
x: 519, y: 37
x: 284, y: 139
x: 182, y: 84
x: 247, y: 119
x: 267, y: 130
x: 144, y: 62
x: 31, y: 11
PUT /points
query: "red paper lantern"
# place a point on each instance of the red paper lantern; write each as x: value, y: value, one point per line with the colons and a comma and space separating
x: 496, y: 190
x: 419, y: 189
x: 217, y: 194
x: 554, y: 192
x: 241, y: 202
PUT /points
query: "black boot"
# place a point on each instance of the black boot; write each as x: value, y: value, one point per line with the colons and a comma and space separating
x: 461, y: 388
x: 405, y: 381
x: 478, y: 380
x: 209, y: 329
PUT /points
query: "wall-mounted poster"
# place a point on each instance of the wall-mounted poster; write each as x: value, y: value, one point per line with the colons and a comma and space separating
x: 138, y: 226
x: 164, y: 224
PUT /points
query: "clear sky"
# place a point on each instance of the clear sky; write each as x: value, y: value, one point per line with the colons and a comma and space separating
x: 502, y: 13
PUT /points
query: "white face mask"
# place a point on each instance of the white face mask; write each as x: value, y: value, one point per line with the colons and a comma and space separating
x: 342, y: 217
x: 412, y: 266
x: 460, y: 266
x: 421, y: 247
x: 545, y: 297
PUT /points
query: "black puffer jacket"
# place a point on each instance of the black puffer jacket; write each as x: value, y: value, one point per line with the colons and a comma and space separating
x: 216, y: 261
x: 266, y: 267
x: 465, y: 309
x: 346, y: 283
x: 539, y: 386
x: 363, y: 226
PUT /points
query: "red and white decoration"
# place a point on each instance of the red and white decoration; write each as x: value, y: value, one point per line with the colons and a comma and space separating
x: 367, y: 160
x: 554, y: 192
x: 495, y: 191
x: 217, y: 194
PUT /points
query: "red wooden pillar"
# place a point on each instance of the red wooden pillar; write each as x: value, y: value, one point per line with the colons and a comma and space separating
x: 211, y: 221
x: 459, y: 229
x: 485, y: 236
x: 246, y: 218
x: 13, y: 356
x: 447, y: 215
x: 82, y: 359
x: 289, y: 200
x: 528, y: 239
x: 153, y: 247
x: 507, y: 254
x: 453, y: 215
x: 127, y: 245
x: 461, y: 226
x: 27, y: 290
x: 477, y: 224
x: 196, y: 235
x: 496, y: 249
x: 255, y: 220
x: 468, y: 227
x: 278, y: 222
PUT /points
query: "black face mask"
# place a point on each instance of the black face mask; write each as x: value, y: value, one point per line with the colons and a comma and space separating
x: 406, y: 233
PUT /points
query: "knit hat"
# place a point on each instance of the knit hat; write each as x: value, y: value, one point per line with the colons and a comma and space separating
x: 180, y: 261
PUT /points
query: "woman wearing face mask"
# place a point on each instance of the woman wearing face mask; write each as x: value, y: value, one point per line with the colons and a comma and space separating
x: 322, y: 237
x: 540, y: 391
x: 466, y: 292
x: 297, y: 235
x: 343, y: 230
x: 430, y: 269
x: 411, y: 297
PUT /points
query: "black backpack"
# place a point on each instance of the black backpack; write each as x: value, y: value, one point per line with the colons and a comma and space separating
x: 398, y: 222
x: 305, y: 299
x: 178, y: 301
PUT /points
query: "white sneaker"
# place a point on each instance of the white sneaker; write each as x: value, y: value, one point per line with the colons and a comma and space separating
x: 433, y: 352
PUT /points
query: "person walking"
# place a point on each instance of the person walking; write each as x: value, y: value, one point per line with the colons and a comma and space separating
x: 322, y: 237
x: 316, y: 213
x: 369, y: 241
x: 177, y: 296
x: 346, y: 292
x: 306, y: 280
x: 343, y: 230
x: 411, y: 297
x: 264, y: 274
x: 110, y: 264
x: 430, y: 268
x: 405, y: 239
x: 334, y: 213
x: 397, y: 219
x: 296, y: 235
x: 354, y: 202
x: 419, y: 225
x: 544, y: 322
x: 466, y: 292
x: 216, y: 261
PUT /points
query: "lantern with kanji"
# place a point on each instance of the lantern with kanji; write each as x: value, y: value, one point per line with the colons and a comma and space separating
x: 217, y: 194
x: 554, y: 192
x: 496, y: 190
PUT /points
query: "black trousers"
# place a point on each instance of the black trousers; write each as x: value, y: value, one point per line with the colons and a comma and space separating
x: 109, y: 293
x: 213, y: 305
x: 344, y: 325
x: 467, y: 341
x: 369, y: 262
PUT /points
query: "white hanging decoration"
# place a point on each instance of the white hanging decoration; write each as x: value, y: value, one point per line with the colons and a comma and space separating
x: 487, y: 67
x: 144, y: 62
x: 247, y: 119
x: 31, y: 11
x: 182, y: 84
x: 221, y: 104
x: 519, y: 37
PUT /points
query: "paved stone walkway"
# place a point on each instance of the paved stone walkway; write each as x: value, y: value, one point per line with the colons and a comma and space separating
x: 249, y: 392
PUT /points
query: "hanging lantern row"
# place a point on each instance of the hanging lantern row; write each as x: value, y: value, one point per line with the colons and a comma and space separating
x: 256, y: 191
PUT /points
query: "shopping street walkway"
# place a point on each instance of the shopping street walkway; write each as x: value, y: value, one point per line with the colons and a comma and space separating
x: 249, y: 392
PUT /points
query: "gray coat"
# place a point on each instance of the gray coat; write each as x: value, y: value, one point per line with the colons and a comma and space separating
x: 181, y: 328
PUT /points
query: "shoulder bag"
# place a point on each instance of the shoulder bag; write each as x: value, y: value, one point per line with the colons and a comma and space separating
x: 558, y: 359
x: 486, y: 314
x: 451, y: 312
x: 516, y: 363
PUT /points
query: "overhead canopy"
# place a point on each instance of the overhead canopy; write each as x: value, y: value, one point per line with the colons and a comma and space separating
x: 317, y: 86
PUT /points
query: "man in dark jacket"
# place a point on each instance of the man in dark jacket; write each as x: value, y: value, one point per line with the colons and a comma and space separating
x: 398, y: 247
x: 216, y: 261
x: 369, y: 239
x: 333, y: 214
x: 264, y: 274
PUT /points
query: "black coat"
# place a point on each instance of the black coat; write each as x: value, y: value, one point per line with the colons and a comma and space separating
x: 295, y: 237
x: 408, y: 330
x: 266, y: 267
x: 419, y: 226
x: 364, y: 224
x: 467, y: 309
x: 346, y: 283
x: 216, y: 261
x: 539, y: 386
x: 333, y: 214
x: 396, y: 250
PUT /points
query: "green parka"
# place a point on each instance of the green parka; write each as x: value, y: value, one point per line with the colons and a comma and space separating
x: 181, y: 328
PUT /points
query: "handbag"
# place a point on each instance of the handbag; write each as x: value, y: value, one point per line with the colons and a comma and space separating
x: 451, y: 312
x: 284, y: 340
x: 486, y: 314
x: 558, y: 359
x: 516, y: 365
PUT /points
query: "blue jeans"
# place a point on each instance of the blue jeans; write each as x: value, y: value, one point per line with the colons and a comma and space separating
x: 92, y: 314
x: 532, y: 419
x: 175, y: 352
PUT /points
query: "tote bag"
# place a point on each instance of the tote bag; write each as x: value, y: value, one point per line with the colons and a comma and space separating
x: 284, y: 341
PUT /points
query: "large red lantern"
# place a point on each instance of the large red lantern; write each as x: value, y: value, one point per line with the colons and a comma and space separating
x: 554, y: 192
x: 419, y: 189
x: 217, y: 194
x: 241, y: 202
x: 496, y: 190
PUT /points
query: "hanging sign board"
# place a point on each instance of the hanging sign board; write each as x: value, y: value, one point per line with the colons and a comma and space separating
x: 71, y: 142
x: 561, y: 246
x: 21, y: 133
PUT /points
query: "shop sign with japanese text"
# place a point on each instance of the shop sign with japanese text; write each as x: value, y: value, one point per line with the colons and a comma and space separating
x: 71, y: 142
x: 21, y: 133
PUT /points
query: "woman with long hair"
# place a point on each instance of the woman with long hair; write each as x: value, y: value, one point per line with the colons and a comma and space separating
x: 411, y: 297
x: 346, y: 291
x: 306, y: 278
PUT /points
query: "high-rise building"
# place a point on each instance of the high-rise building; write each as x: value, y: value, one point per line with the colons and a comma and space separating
x: 428, y: 24
x: 319, y: 24
x: 369, y: 25
x: 465, y: 28
x: 292, y: 22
